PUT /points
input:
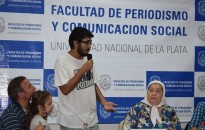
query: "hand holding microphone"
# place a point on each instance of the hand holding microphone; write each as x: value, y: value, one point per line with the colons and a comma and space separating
x: 89, y: 75
x: 89, y: 56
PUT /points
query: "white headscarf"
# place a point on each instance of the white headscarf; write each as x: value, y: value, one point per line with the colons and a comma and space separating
x: 154, y: 112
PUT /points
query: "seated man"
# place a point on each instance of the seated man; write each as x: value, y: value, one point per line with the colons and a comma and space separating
x: 198, y: 116
x: 19, y: 91
x: 152, y: 112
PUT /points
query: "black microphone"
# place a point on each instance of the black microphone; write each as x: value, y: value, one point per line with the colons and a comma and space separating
x: 89, y: 57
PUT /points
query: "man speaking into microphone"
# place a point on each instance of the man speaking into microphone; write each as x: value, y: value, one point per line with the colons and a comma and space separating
x: 76, y: 80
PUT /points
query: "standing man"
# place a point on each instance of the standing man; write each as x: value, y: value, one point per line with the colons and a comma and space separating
x: 77, y: 92
x: 19, y: 91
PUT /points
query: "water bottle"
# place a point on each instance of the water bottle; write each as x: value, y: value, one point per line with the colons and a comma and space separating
x: 202, y: 125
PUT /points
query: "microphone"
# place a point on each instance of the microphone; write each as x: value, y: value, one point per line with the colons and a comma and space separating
x: 89, y: 57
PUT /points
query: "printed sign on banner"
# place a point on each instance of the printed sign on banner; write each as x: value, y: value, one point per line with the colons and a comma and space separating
x: 124, y: 105
x: 199, y: 84
x: 177, y: 84
x: 49, y: 82
x: 197, y: 100
x: 199, y: 59
x: 184, y: 107
x: 3, y: 91
x: 25, y: 6
x: 21, y: 54
x: 199, y: 10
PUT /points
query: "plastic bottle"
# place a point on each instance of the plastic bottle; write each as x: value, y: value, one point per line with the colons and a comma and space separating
x: 202, y: 126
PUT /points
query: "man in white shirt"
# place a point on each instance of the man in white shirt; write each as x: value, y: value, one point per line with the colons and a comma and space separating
x: 77, y: 91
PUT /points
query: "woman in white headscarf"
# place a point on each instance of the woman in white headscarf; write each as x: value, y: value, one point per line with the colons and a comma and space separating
x: 152, y: 112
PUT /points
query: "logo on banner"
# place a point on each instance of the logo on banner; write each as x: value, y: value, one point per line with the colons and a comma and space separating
x: 2, y: 24
x: 2, y: 2
x: 105, y: 81
x: 201, y: 83
x: 103, y: 113
x: 201, y: 58
x: 3, y: 83
x: 4, y: 103
x: 2, y: 51
x: 152, y: 78
x: 201, y: 7
x: 201, y: 32
x: 50, y: 83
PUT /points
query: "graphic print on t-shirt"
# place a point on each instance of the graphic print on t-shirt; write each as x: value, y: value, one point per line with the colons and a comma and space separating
x: 85, y: 82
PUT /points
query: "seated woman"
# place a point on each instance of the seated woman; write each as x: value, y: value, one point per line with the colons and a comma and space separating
x: 152, y: 112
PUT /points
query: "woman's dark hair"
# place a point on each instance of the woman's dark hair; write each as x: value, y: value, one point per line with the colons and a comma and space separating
x: 38, y: 98
x: 14, y: 87
x: 78, y: 33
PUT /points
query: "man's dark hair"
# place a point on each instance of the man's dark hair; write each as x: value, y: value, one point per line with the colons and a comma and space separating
x: 78, y: 33
x: 15, y: 86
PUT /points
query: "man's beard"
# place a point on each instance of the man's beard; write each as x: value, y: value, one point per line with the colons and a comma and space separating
x: 81, y: 52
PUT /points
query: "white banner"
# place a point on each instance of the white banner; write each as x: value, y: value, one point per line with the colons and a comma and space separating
x: 134, y: 42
